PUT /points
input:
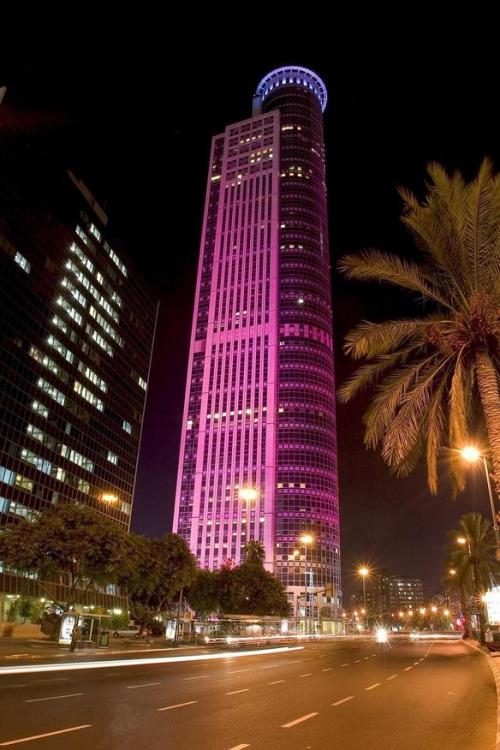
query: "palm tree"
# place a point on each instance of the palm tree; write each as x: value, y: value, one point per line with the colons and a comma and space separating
x: 254, y: 552
x: 473, y: 560
x: 429, y: 370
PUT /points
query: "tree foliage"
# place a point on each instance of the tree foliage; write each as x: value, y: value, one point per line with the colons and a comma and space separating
x: 72, y: 541
x: 246, y: 589
x: 153, y: 572
x: 431, y: 372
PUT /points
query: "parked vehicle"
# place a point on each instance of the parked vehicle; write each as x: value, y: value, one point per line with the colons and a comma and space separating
x: 132, y: 631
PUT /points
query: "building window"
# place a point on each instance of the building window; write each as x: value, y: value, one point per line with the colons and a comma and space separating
x: 51, y: 391
x: 40, y: 463
x: 142, y: 383
x: 21, y: 261
x: 94, y: 230
x: 7, y: 476
x: 40, y: 409
x: 127, y: 426
x: 88, y: 396
x: 77, y: 458
x: 112, y: 457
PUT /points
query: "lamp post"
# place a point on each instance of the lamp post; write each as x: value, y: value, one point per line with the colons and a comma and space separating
x: 306, y: 540
x: 464, y: 540
x: 363, y: 572
x: 472, y: 455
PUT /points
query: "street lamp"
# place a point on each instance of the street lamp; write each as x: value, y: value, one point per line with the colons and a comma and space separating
x: 363, y: 572
x: 472, y: 455
x: 306, y: 540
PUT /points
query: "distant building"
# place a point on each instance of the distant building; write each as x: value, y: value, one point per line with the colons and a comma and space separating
x: 76, y: 341
x: 397, y: 593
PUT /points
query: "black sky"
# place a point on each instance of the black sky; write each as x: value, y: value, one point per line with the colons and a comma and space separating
x: 136, y: 126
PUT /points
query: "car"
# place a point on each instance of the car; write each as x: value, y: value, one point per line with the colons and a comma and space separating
x: 132, y: 631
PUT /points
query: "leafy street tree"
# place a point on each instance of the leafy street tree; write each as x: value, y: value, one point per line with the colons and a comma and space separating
x: 474, y: 562
x: 152, y: 572
x: 71, y: 541
x: 246, y: 589
x: 430, y: 370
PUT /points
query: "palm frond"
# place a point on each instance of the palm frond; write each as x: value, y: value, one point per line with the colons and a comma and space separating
x: 372, y: 339
x: 436, y: 423
x: 404, y: 431
x: 390, y: 393
x: 369, y: 374
x: 373, y: 265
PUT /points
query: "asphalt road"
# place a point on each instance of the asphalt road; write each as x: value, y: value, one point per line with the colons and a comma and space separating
x: 348, y: 695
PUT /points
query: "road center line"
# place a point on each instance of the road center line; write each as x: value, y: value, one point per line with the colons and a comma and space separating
x: 238, y: 671
x: 199, y: 677
x: 235, y: 692
x: 309, y: 674
x: 146, y: 684
x: 372, y: 687
x: 356, y: 661
x: 343, y: 700
x: 53, y: 698
x: 407, y: 669
x: 392, y: 677
x: 270, y: 666
x: 328, y: 669
x: 276, y: 682
x: 239, y: 747
x: 41, y: 736
x: 176, y: 705
x: 347, y: 664
x: 416, y: 663
x: 299, y: 721
x: 366, y: 657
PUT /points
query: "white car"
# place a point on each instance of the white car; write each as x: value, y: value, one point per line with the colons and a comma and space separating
x: 132, y: 631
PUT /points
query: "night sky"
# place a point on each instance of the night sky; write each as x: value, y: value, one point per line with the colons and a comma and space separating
x: 136, y: 127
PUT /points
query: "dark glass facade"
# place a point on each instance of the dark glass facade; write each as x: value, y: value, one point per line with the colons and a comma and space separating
x: 76, y: 341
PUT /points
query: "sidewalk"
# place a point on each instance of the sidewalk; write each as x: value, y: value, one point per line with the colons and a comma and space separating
x: 19, y: 650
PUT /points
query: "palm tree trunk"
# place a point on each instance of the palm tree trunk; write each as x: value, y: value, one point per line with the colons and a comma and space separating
x: 487, y: 380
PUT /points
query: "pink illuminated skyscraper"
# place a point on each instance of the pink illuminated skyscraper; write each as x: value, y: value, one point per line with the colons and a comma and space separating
x: 258, y: 455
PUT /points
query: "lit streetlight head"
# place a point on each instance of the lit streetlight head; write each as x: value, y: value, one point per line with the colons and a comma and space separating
x: 434, y: 609
x: 461, y: 540
x: 446, y: 612
x: 248, y: 494
x: 108, y: 497
x: 307, y: 539
x: 363, y: 571
x: 470, y: 453
x: 453, y: 572
x: 422, y: 610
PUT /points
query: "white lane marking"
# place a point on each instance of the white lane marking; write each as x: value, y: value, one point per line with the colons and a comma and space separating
x: 347, y: 664
x: 146, y: 684
x: 343, y: 700
x: 356, y: 661
x: 416, y: 663
x: 276, y: 682
x: 366, y: 657
x: 270, y: 666
x: 407, y: 669
x: 328, y: 669
x: 199, y: 677
x: 392, y: 677
x: 372, y: 687
x: 309, y: 674
x: 41, y: 736
x: 235, y: 692
x: 421, y: 659
x: 309, y: 659
x: 238, y: 671
x: 374, y: 654
x: 239, y: 747
x: 32, y: 668
x: 176, y: 705
x: 296, y: 661
x: 299, y: 721
x: 53, y: 698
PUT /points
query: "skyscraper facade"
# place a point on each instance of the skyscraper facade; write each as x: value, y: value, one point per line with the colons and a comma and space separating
x: 258, y: 446
x: 77, y: 333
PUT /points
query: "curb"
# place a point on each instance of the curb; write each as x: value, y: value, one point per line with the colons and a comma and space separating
x: 496, y: 675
